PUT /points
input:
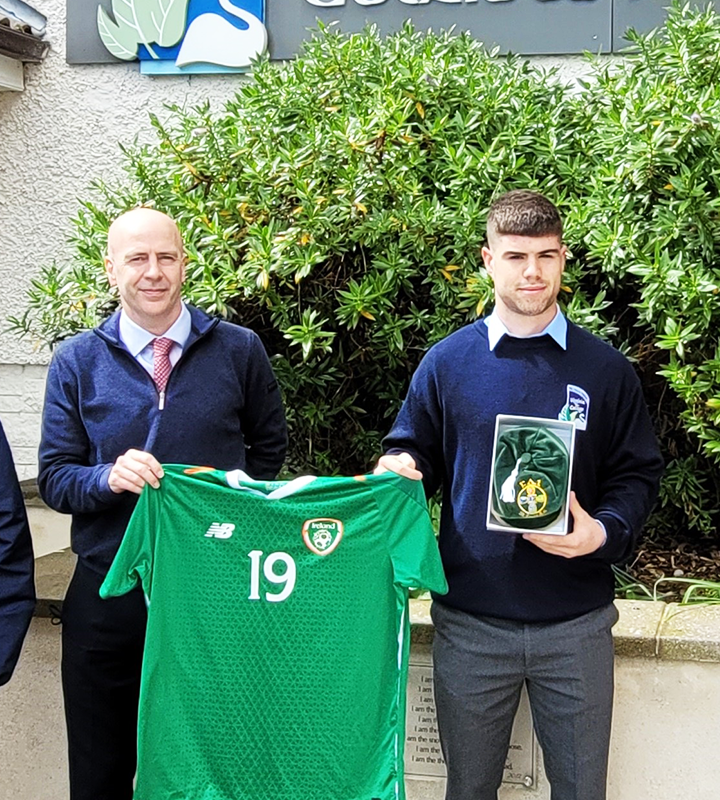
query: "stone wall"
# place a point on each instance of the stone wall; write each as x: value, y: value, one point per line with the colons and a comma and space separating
x: 22, y: 387
x: 667, y: 706
x: 665, y: 731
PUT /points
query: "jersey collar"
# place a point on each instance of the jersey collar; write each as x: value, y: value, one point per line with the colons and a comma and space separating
x: 238, y: 479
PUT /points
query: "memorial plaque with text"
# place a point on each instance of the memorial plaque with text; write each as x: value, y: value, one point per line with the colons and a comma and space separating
x: 423, y: 756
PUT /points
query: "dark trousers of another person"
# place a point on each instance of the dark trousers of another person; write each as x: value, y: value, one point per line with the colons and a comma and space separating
x: 481, y: 665
x: 102, y: 646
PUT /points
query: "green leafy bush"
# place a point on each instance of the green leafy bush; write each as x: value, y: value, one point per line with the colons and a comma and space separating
x: 337, y: 206
x: 650, y: 228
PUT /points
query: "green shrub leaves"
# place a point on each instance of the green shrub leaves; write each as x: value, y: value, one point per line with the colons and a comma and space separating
x: 337, y: 206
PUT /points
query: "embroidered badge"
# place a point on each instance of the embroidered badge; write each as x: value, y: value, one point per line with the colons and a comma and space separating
x: 532, y: 498
x: 322, y: 535
x: 576, y: 408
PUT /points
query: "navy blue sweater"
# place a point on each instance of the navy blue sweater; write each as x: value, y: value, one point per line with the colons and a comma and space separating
x: 447, y: 424
x: 17, y: 590
x: 222, y: 409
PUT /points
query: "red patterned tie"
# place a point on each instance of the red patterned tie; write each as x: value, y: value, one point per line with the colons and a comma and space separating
x: 161, y: 362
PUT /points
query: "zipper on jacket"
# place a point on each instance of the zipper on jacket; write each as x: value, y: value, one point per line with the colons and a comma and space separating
x: 161, y: 395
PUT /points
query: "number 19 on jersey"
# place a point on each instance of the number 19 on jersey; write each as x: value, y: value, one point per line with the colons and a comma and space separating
x: 284, y: 578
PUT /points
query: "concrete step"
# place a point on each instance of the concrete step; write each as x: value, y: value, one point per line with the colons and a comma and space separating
x: 54, y: 561
x: 52, y: 576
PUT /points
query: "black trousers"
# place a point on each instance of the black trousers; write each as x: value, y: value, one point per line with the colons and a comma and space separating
x: 102, y: 646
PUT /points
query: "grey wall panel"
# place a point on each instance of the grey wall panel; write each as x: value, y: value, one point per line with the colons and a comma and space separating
x: 82, y: 40
x: 643, y: 15
x: 529, y: 27
x: 521, y: 26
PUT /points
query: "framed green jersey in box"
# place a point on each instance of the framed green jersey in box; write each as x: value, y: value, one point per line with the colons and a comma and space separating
x: 276, y: 653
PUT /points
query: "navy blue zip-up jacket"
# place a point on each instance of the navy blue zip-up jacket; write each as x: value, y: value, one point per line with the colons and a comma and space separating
x: 222, y: 409
x: 17, y: 589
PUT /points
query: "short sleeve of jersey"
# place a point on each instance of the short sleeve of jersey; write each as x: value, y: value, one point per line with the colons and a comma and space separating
x: 133, y: 561
x: 411, y: 540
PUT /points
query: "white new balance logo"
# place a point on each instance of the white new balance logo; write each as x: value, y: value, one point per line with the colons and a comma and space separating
x: 220, y: 530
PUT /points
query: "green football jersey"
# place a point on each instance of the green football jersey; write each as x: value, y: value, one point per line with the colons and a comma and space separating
x: 276, y: 653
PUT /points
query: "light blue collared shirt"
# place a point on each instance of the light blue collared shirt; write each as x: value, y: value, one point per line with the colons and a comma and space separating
x: 139, y: 342
x: 557, y: 329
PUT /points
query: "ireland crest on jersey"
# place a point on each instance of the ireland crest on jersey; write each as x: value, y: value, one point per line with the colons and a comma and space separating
x: 322, y: 535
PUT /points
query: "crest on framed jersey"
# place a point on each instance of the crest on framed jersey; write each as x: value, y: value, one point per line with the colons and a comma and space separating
x: 322, y: 535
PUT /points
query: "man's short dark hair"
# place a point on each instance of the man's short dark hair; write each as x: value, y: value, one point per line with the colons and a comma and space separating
x: 523, y: 213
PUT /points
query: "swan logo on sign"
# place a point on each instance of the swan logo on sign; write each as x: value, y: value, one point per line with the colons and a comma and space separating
x: 185, y: 36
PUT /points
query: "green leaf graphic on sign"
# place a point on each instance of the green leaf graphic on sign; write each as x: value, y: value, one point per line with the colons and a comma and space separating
x: 141, y: 22
x: 120, y: 39
x: 162, y: 21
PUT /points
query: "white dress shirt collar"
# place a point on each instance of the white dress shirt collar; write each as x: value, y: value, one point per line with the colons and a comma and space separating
x: 136, y: 339
x: 557, y: 329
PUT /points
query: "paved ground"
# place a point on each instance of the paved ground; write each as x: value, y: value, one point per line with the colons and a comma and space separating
x: 32, y: 731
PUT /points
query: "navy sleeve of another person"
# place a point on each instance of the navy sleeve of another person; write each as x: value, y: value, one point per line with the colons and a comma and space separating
x: 17, y: 588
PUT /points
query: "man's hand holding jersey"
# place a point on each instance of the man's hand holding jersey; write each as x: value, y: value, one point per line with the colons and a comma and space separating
x: 401, y: 463
x: 133, y: 470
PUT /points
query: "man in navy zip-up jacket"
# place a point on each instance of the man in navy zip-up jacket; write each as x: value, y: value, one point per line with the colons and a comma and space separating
x: 533, y: 608
x: 107, y: 427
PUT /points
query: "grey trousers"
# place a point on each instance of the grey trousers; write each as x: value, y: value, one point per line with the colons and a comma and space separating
x: 481, y: 664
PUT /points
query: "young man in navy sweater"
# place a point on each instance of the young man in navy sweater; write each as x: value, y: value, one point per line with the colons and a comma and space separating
x: 533, y: 608
x: 158, y: 382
